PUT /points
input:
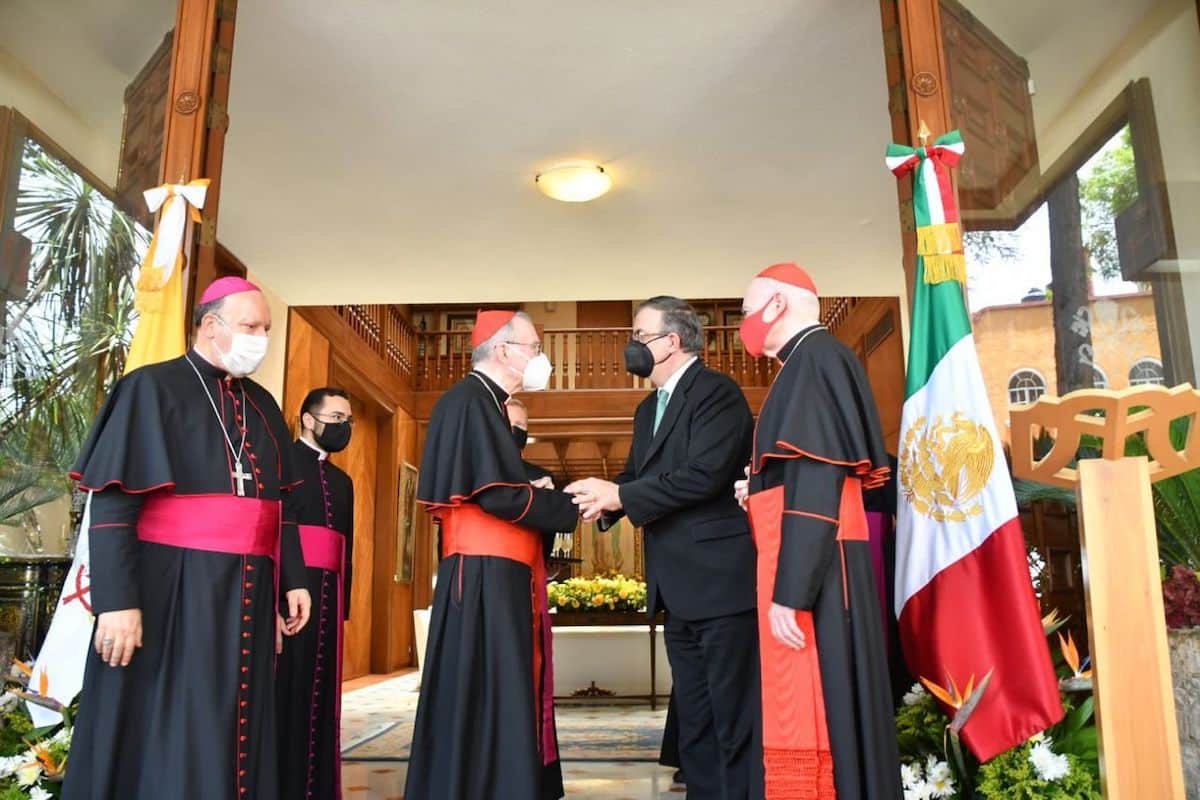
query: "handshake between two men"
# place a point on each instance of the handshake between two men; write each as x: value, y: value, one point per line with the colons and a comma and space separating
x: 596, y: 496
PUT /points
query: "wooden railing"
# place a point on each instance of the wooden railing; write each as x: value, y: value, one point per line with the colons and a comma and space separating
x: 583, y: 358
x: 385, y: 330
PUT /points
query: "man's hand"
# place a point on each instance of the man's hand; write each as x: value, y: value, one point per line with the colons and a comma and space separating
x: 741, y: 489
x: 278, y: 633
x: 594, y: 497
x: 118, y: 635
x: 299, y: 608
x: 545, y: 482
x: 784, y: 626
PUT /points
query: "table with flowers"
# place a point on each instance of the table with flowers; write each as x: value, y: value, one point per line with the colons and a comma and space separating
x: 600, y: 611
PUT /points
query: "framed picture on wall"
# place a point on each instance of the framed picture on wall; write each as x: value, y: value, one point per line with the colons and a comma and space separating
x: 460, y: 324
x: 406, y: 524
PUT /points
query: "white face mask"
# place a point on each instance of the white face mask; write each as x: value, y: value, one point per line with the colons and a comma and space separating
x: 245, y: 355
x: 536, y: 375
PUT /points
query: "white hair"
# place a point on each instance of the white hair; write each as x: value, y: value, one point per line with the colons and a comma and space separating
x: 484, y: 351
x: 802, y: 299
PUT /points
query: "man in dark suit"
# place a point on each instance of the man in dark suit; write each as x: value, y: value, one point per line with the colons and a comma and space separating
x: 690, y: 438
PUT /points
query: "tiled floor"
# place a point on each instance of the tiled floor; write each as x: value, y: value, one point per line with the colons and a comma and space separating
x: 608, y: 780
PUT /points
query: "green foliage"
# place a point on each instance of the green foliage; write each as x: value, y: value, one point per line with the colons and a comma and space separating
x: 919, y: 728
x: 1078, y: 736
x: 1109, y: 188
x: 64, y: 343
x: 15, y: 727
x: 1012, y: 776
x: 925, y: 737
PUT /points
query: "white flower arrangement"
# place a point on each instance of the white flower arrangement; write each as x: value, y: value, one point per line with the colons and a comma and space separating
x: 915, y: 695
x: 1050, y: 766
x: 934, y: 781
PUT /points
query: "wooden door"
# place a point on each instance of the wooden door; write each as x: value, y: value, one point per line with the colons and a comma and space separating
x: 360, y: 461
x: 601, y: 363
x: 604, y: 314
x: 872, y: 331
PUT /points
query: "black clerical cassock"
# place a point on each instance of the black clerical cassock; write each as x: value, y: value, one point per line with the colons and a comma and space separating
x: 485, y: 722
x: 310, y: 667
x: 827, y: 708
x: 188, y: 533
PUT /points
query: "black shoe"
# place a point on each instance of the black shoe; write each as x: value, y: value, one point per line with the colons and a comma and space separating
x: 678, y: 778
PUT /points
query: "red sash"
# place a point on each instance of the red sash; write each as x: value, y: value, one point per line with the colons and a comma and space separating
x: 467, y: 530
x: 218, y: 523
x: 797, y: 758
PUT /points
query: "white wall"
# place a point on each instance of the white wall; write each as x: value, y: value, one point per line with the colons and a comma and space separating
x: 271, y: 373
x: 24, y: 91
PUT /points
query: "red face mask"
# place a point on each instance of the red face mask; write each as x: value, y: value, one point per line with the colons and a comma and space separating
x: 754, y: 330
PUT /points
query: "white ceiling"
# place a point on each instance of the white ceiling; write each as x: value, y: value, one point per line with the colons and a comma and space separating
x: 86, y: 52
x: 1064, y: 41
x: 385, y: 152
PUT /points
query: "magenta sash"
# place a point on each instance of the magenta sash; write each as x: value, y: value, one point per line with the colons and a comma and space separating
x: 218, y: 523
x: 324, y: 548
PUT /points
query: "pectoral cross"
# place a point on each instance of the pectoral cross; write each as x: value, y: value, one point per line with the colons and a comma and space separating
x: 241, y: 478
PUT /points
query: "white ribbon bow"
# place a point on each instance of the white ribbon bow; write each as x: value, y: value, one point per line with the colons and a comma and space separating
x: 178, y: 201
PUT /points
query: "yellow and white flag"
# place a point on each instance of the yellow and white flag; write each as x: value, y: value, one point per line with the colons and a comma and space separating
x: 159, y: 336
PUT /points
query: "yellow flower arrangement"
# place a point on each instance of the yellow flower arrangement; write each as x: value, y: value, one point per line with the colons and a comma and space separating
x: 613, y: 593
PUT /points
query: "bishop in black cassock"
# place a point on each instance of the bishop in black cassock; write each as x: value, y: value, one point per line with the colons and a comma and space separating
x: 485, y: 721
x: 827, y: 725
x: 188, y: 461
x: 309, y: 688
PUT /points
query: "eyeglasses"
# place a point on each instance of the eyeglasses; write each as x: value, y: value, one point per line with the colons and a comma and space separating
x: 537, y: 346
x: 646, y: 338
x: 337, y: 417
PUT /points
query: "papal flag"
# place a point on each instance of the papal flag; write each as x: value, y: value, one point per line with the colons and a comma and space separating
x: 964, y: 597
x: 160, y: 335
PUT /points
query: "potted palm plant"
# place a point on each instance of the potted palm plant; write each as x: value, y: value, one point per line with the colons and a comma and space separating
x: 65, y: 335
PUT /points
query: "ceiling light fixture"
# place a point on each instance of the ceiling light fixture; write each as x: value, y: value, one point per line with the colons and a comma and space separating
x: 574, y: 183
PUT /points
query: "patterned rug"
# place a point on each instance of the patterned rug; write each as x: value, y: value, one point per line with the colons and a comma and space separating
x: 377, y: 725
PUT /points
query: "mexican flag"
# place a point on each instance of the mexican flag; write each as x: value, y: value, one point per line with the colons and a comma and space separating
x: 964, y: 596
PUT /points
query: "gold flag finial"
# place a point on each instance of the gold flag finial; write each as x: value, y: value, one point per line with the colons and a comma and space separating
x: 923, y: 133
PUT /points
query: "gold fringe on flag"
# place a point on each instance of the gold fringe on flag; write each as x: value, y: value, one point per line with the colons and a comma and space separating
x: 939, y: 239
x: 946, y: 267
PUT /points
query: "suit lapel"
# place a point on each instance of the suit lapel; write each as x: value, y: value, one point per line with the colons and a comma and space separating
x: 673, y: 412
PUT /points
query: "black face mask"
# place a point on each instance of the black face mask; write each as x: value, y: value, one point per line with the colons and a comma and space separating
x: 639, y: 360
x: 521, y: 437
x: 334, y: 437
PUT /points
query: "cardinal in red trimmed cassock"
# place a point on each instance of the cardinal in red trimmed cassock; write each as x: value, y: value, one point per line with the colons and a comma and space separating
x: 485, y: 720
x: 828, y: 729
x: 189, y: 461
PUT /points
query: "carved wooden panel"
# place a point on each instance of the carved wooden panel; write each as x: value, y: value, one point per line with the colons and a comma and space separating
x: 1052, y: 529
x: 142, y: 136
x: 990, y: 103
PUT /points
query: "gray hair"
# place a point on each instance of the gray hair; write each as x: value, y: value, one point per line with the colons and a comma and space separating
x: 204, y: 309
x: 679, y: 318
x: 484, y: 351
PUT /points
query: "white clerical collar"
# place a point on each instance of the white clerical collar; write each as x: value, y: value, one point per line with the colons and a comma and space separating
x: 673, y: 381
x: 321, y: 454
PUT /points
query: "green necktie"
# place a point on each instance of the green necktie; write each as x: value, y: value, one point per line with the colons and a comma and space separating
x: 664, y: 397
